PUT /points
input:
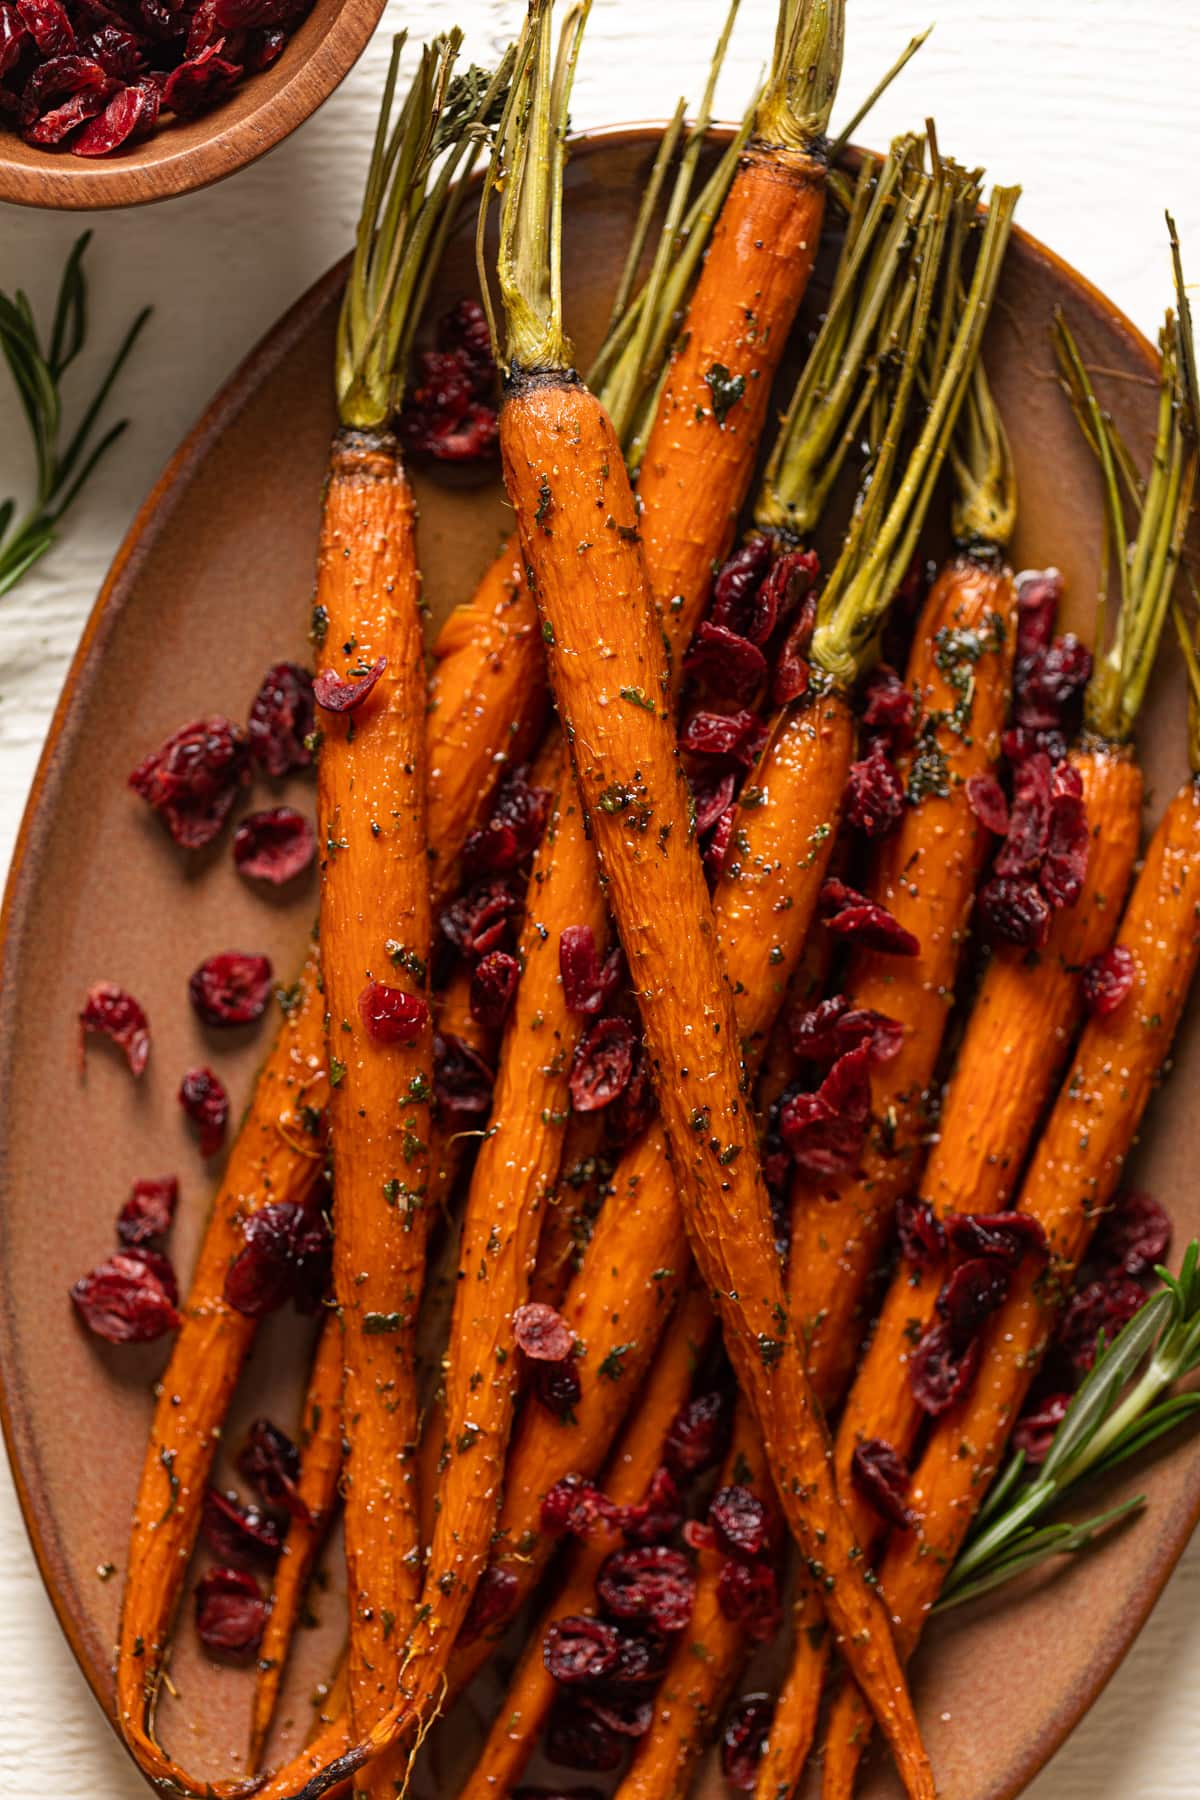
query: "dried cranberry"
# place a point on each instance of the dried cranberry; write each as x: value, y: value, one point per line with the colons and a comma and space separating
x: 849, y: 914
x: 712, y: 795
x: 1108, y: 981
x: 648, y: 1583
x: 628, y: 1718
x: 1012, y: 911
x: 238, y: 1533
x: 465, y: 328
x: 286, y: 1256
x: 192, y: 780
x: 825, y: 1131
x: 922, y: 1234
x: 789, y: 678
x: 1029, y: 819
x: 748, y: 1593
x: 274, y: 846
x: 480, y: 919
x: 1007, y: 1236
x: 881, y: 1477
x: 737, y: 584
x: 55, y: 125
x: 515, y: 828
x: 889, y: 707
x: 492, y: 1603
x: 739, y: 735
x: 48, y: 25
x: 718, y: 846
x: 1035, y: 1430
x: 576, y: 1506
x: 146, y: 1216
x: 204, y: 1100
x: 602, y: 1064
x: 1136, y: 1235
x: 790, y: 585
x: 740, y: 1520
x: 76, y: 76
x: 986, y: 799
x: 250, y: 15
x: 971, y: 1296
x: 270, y: 1462
x: 493, y: 988
x: 1018, y: 744
x: 448, y: 412
x: 1106, y: 1306
x: 199, y: 82
x: 13, y: 37
x: 391, y: 1015
x: 557, y: 1387
x: 262, y: 49
x: 116, y: 1015
x: 833, y: 1027
x: 874, y: 794
x: 577, y: 1739
x: 1039, y: 592
x: 231, y: 988
x: 588, y: 984
x: 938, y: 1373
x: 336, y: 695
x: 541, y: 1333
x: 581, y: 1649
x: 1048, y: 681
x: 282, y: 715
x: 230, y: 1613
x: 658, y: 1516
x: 628, y: 1115
x: 727, y: 664
x: 698, y: 1435
x: 131, y: 111
x: 462, y: 1081
x: 129, y: 1299
x: 744, y: 1740
x: 1064, y: 864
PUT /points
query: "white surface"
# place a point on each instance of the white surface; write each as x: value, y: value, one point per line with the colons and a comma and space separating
x: 1091, y: 104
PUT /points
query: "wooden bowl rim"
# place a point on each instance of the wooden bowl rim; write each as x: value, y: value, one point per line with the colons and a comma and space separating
x: 150, y: 519
x: 58, y: 181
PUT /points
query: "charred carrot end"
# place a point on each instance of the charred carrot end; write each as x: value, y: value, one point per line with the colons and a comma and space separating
x: 274, y: 1157
x: 636, y: 1458
x: 960, y: 670
x: 487, y: 707
x: 700, y: 454
x: 1023, y: 1017
x: 320, y: 1466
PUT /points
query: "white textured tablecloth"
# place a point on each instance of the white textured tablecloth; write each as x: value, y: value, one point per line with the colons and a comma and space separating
x: 1090, y: 104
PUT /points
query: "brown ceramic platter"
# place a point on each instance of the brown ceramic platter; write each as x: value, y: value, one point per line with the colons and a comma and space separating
x: 211, y: 585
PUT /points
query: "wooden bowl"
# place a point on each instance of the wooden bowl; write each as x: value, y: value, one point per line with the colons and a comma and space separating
x: 211, y: 585
x: 183, y: 154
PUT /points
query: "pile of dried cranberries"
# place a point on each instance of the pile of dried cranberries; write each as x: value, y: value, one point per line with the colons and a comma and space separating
x: 91, y: 75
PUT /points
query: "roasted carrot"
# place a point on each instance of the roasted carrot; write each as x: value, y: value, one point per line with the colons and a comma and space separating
x: 579, y: 1193
x: 700, y: 453
x: 320, y: 1465
x: 635, y: 1459
x: 1098, y: 1111
x: 1023, y: 1019
x: 707, y: 1657
x: 274, y: 1157
x: 561, y: 465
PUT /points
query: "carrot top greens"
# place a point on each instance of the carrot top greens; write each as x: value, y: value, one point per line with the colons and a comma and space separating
x: 407, y: 212
x: 803, y: 78
x: 1147, y: 563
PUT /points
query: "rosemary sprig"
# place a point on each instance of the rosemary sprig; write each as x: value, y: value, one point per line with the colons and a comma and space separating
x: 1116, y: 1414
x: 61, y: 469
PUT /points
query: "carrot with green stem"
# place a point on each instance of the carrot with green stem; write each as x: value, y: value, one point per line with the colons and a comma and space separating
x: 1028, y: 1007
x: 630, y: 783
x: 635, y: 1460
x: 1077, y: 1164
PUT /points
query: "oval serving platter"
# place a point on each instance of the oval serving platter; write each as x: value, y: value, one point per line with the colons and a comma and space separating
x: 212, y: 585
